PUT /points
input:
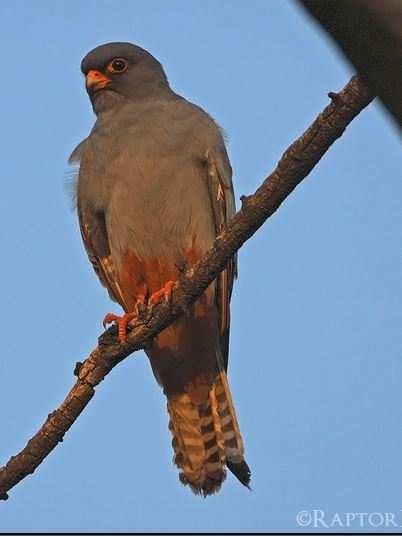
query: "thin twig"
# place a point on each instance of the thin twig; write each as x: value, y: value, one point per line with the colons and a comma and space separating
x: 293, y: 167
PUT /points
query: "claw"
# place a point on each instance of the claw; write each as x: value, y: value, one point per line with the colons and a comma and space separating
x: 121, y: 322
x: 109, y: 319
x: 165, y: 292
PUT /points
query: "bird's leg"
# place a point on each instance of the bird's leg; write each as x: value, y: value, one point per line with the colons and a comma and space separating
x: 123, y: 321
x: 165, y: 292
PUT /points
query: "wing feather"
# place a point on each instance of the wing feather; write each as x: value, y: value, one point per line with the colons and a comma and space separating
x: 223, y: 206
x: 94, y: 236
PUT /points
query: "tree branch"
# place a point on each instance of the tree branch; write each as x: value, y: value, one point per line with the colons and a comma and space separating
x: 292, y: 168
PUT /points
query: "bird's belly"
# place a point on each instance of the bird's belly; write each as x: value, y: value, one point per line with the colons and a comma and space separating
x: 157, y: 221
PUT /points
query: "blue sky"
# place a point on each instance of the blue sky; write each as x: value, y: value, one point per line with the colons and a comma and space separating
x: 315, y: 362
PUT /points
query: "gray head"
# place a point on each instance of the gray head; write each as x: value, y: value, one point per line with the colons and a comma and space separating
x: 119, y: 71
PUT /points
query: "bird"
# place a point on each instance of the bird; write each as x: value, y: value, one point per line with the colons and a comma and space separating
x: 153, y: 190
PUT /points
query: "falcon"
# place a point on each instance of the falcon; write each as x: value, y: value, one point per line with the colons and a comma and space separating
x: 154, y: 189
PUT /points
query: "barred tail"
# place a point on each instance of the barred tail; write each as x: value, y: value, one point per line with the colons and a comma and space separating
x: 206, y: 439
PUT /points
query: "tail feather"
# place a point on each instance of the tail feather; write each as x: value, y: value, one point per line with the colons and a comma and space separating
x: 233, y: 442
x: 206, y: 439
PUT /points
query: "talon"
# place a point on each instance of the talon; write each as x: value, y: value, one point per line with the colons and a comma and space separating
x: 165, y: 292
x: 109, y: 319
x: 121, y: 322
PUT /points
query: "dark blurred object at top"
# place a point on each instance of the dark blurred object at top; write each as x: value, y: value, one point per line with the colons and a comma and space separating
x: 370, y: 34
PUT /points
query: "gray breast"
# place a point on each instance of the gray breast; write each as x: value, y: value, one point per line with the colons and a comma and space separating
x: 144, y: 167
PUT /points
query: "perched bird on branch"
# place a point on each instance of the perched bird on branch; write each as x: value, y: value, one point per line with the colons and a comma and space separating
x: 154, y: 189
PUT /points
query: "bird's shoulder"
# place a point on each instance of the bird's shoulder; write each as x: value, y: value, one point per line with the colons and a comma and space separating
x: 171, y: 113
x: 172, y: 121
x: 194, y: 117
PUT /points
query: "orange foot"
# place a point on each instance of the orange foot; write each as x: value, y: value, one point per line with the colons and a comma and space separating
x: 121, y: 322
x: 165, y: 292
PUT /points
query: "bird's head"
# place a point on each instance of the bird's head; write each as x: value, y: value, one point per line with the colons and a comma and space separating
x: 117, y: 71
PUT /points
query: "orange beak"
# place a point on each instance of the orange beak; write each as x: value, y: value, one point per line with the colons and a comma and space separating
x: 95, y: 80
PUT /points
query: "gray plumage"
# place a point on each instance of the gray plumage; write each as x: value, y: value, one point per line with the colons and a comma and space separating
x: 154, y: 189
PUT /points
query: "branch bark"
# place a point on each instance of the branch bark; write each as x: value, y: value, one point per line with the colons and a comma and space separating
x: 293, y: 167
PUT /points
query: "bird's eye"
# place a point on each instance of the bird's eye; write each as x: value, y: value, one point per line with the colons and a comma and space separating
x: 117, y: 66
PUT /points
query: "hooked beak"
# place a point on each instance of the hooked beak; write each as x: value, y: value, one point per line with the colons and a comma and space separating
x: 94, y: 81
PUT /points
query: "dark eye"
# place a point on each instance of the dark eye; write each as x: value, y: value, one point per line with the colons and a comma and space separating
x: 118, y: 65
